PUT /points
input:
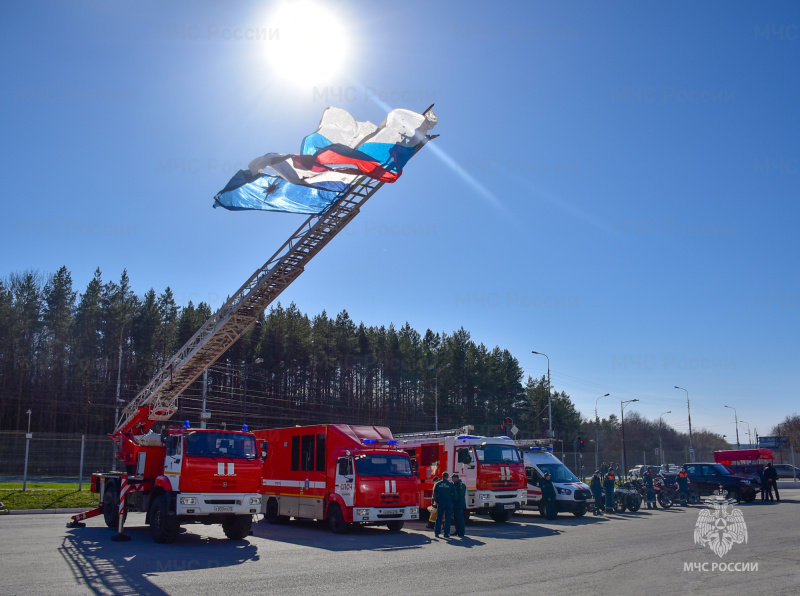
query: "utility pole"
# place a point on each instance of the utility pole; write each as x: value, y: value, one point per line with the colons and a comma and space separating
x: 689, y: 409
x: 549, y: 397
x: 596, y: 433
x: 736, y: 419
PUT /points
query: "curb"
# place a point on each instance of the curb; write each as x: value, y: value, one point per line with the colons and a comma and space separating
x: 36, y: 511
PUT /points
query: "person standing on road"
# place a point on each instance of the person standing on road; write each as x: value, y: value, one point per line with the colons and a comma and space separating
x: 649, y: 490
x: 608, y: 485
x: 433, y: 509
x: 459, y: 505
x: 771, y: 478
x: 549, y: 497
x: 682, y: 480
x: 596, y: 485
x: 443, y: 495
x: 763, y: 484
x: 604, y: 469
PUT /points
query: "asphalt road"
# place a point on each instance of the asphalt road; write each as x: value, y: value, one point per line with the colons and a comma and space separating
x: 645, y: 552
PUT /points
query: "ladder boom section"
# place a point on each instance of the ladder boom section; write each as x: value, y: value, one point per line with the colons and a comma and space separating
x: 241, y: 311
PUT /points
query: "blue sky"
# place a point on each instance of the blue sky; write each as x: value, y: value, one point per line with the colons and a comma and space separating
x: 615, y: 184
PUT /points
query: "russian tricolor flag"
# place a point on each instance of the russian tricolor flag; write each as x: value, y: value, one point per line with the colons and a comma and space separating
x: 341, y: 151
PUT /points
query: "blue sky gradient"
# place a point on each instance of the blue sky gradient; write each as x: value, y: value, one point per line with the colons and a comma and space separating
x: 616, y: 184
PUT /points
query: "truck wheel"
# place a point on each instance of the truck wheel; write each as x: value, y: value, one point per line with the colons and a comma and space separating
x: 238, y: 526
x: 580, y: 511
x: 395, y: 525
x: 163, y: 525
x: 500, y: 516
x: 336, y: 520
x: 271, y: 514
x: 111, y: 506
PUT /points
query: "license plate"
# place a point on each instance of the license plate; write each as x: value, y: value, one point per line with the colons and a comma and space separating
x: 509, y: 506
x: 224, y: 508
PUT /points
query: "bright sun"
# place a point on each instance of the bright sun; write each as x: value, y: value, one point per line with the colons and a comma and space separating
x: 311, y: 45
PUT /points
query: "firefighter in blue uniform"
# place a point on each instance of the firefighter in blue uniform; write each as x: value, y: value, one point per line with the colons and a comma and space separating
x: 649, y: 490
x: 443, y: 497
x: 549, y: 497
x: 459, y: 505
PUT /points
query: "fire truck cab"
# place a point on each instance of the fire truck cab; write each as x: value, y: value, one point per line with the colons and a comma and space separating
x: 339, y: 473
x: 490, y: 467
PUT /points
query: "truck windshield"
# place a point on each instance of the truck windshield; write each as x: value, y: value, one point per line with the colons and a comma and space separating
x: 383, y: 465
x: 558, y: 472
x: 497, y: 454
x: 220, y: 445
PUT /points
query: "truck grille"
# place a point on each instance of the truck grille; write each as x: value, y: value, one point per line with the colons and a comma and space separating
x: 222, y: 502
x: 390, y: 515
x: 504, y: 484
x: 390, y: 499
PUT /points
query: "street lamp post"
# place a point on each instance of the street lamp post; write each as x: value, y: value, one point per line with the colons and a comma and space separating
x: 596, y: 434
x: 436, y: 397
x: 622, y: 405
x: 689, y: 409
x: 549, y: 398
x: 736, y: 418
x: 244, y: 392
x: 28, y: 436
x: 117, y: 401
x: 661, y: 432
x: 749, y: 438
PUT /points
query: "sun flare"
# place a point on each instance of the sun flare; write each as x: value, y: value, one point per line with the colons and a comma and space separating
x: 311, y: 46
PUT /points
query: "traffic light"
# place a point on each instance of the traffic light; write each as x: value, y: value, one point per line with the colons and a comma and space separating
x: 580, y: 444
x: 505, y: 428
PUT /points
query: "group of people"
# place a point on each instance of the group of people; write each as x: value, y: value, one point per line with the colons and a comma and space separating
x: 450, y: 500
x: 603, y: 479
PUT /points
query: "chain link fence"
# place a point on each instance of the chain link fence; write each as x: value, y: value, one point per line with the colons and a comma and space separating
x: 54, y: 456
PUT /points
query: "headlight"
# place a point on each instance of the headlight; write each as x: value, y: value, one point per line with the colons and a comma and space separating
x: 255, y: 500
x: 563, y: 491
x: 188, y: 501
x: 414, y: 510
x: 485, y: 497
x: 362, y: 511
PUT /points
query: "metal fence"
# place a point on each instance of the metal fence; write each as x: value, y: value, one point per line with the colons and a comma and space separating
x: 54, y: 456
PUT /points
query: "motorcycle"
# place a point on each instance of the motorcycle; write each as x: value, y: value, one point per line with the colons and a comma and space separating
x: 663, y: 494
x: 626, y: 498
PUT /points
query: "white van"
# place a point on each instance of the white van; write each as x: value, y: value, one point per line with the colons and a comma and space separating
x: 572, y: 495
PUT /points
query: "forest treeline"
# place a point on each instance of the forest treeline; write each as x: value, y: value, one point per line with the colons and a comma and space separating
x: 62, y: 352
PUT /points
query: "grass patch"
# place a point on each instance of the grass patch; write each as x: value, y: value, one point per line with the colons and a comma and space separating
x: 49, y: 498
x: 43, y: 485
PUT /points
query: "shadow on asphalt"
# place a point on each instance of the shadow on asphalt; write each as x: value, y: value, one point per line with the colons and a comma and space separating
x: 108, y: 567
x: 376, y: 538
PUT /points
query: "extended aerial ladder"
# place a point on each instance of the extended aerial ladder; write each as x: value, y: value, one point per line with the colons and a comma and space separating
x: 156, y: 401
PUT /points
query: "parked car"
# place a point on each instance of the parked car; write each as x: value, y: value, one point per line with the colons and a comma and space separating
x: 635, y: 471
x: 708, y: 477
x: 786, y: 470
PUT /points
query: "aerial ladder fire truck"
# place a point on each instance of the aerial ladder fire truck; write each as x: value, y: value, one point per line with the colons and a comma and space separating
x: 188, y: 475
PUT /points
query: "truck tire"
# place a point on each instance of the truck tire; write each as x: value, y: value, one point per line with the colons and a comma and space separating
x: 164, y: 526
x: 395, y: 525
x: 237, y: 527
x: 500, y: 516
x: 336, y: 520
x: 271, y: 514
x: 111, y: 506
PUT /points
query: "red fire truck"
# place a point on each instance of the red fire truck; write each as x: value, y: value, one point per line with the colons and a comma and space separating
x: 490, y: 467
x: 179, y: 476
x: 339, y: 473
